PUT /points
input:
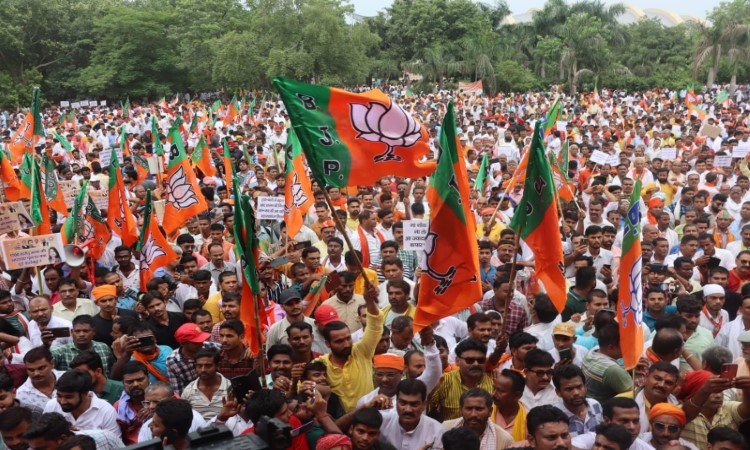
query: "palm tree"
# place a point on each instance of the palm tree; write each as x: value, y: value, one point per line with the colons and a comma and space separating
x: 479, y: 53
x: 735, y: 40
x: 709, y: 49
x: 435, y: 64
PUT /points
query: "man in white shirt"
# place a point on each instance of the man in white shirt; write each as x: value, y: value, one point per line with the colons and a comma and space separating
x: 39, y: 387
x: 42, y: 319
x: 622, y: 411
x: 407, y: 427
x: 156, y: 392
x: 83, y: 409
x: 539, y: 389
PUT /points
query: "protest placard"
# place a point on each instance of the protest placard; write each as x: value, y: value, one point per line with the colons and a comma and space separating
x: 70, y: 189
x: 64, y: 104
x: 740, y: 152
x: 599, y: 157
x: 100, y: 198
x: 155, y: 164
x: 613, y: 160
x: 270, y: 208
x: 723, y: 161
x: 103, y: 103
x: 710, y: 131
x: 668, y: 153
x: 415, y: 233
x: 9, y: 217
x: 562, y: 124
x: 33, y: 251
x: 159, y: 208
x: 93, y: 103
x: 76, y: 105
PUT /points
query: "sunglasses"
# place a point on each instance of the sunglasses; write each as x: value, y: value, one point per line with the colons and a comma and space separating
x: 471, y: 361
x: 658, y: 426
x: 541, y: 373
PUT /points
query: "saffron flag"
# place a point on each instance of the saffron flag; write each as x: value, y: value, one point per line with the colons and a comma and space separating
x: 14, y: 189
x: 26, y: 135
x: 298, y: 196
x: 537, y: 222
x: 553, y: 115
x: 52, y: 191
x: 317, y: 293
x: 228, y: 166
x: 95, y: 228
x: 252, y: 314
x: 73, y: 226
x: 354, y: 139
x: 481, y: 182
x: 184, y: 199
x: 39, y: 206
x: 154, y: 250
x: 630, y: 297
x: 119, y: 217
x: 201, y: 158
x: 450, y: 274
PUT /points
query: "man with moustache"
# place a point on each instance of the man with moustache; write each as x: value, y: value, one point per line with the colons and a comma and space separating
x: 584, y: 414
x: 660, y: 383
x: 407, y: 426
x: 40, y: 311
x: 476, y: 406
x: 207, y: 393
x: 131, y: 412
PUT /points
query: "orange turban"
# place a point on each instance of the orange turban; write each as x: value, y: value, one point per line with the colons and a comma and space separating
x: 668, y: 409
x: 487, y: 211
x: 693, y: 381
x: 389, y: 361
x: 106, y: 290
x: 655, y: 202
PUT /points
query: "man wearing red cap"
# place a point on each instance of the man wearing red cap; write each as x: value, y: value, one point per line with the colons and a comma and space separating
x: 180, y: 363
x: 323, y: 315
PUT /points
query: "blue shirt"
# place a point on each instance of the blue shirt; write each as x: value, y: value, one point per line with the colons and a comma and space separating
x: 489, y: 275
x: 126, y: 303
x: 651, y: 320
x: 160, y: 362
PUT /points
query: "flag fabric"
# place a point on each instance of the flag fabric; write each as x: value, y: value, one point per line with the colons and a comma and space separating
x: 215, y: 107
x: 563, y: 159
x: 201, y: 158
x: 317, y: 293
x: 55, y: 197
x: 298, y: 196
x: 154, y: 250
x: 536, y: 220
x: 119, y: 217
x: 722, y: 97
x: 64, y: 142
x: 450, y: 275
x: 228, y: 166
x: 471, y: 88
x: 481, y: 181
x: 695, y: 110
x: 72, y: 229
x: 126, y: 109
x: 231, y: 111
x: 630, y: 296
x: 246, y: 246
x: 354, y: 139
x: 39, y: 206
x: 95, y: 228
x: 553, y: 115
x: 184, y: 199
x: 14, y: 188
x: 158, y: 148
x: 560, y: 179
x: 25, y: 137
x: 597, y: 99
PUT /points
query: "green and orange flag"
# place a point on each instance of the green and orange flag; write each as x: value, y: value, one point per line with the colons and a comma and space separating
x: 30, y: 130
x: 158, y: 148
x: 201, y: 158
x: 553, y: 115
x: 14, y: 189
x: 481, y: 182
x: 119, y: 217
x: 64, y: 142
x: 630, y: 296
x: 54, y: 194
x: 354, y: 139
x: 154, y: 250
x: 536, y: 220
x: 252, y: 314
x: 450, y: 279
x: 184, y: 199
x: 39, y: 206
x: 72, y: 230
x: 95, y: 228
x: 298, y: 196
x: 228, y: 165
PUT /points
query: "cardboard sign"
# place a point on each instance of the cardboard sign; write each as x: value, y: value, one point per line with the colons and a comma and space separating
x: 155, y: 164
x: 723, y: 161
x: 270, y: 208
x: 562, y: 124
x: 710, y: 130
x: 76, y: 105
x: 740, y: 152
x: 103, y: 103
x: 9, y: 217
x: 415, y: 233
x: 599, y: 157
x: 159, y: 208
x: 668, y: 153
x: 100, y: 198
x: 33, y: 251
x: 93, y: 103
x: 613, y: 160
x: 70, y: 190
x: 64, y: 104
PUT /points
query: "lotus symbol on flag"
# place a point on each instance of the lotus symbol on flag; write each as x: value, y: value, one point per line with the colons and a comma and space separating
x: 150, y: 251
x: 444, y: 279
x: 298, y: 194
x: 391, y: 126
x: 179, y: 192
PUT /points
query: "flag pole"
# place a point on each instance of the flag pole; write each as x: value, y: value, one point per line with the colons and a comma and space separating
x: 342, y: 230
x: 261, y: 362
x: 511, y: 288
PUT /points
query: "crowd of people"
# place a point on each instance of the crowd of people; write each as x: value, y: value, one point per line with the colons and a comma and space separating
x: 92, y: 360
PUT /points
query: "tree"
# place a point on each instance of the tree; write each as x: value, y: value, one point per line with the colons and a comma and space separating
x: 585, y: 48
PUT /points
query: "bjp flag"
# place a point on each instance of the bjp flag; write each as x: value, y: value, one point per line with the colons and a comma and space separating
x: 155, y: 251
x: 630, y: 297
x: 26, y: 135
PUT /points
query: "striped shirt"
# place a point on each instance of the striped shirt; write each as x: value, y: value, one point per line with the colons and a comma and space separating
x: 696, y: 432
x: 445, y: 398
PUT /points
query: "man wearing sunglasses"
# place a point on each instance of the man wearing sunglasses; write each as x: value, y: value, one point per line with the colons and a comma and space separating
x: 667, y: 421
x: 539, y: 390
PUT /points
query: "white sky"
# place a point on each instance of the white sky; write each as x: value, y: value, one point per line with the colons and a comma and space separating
x: 681, y: 7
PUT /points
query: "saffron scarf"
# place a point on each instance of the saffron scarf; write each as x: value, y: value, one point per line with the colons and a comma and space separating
x: 146, y: 361
x: 365, y: 247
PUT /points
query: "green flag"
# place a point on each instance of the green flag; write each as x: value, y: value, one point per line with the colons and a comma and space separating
x: 553, y: 115
x: 565, y: 160
x: 482, y: 175
x: 73, y: 226
x: 35, y: 104
x: 158, y: 148
x: 177, y: 149
x: 64, y: 142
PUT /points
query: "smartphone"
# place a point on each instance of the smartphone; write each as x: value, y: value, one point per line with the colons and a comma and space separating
x: 145, y: 341
x: 278, y: 261
x: 728, y: 371
x: 301, y: 245
x: 607, y: 266
x: 179, y: 268
x: 713, y: 262
x: 566, y: 354
x: 243, y: 384
x: 401, y: 195
x: 584, y: 241
x: 60, y: 332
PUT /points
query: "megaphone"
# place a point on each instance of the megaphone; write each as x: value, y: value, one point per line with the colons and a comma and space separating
x: 75, y: 255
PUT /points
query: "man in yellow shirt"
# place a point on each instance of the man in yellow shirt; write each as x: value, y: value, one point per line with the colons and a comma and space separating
x: 490, y: 227
x: 351, y: 265
x: 349, y: 366
x: 228, y: 282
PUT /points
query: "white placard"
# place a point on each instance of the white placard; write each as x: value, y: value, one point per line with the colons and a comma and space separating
x: 415, y: 233
x: 668, y: 153
x: 270, y: 208
x: 93, y: 103
x: 723, y: 161
x: 155, y: 165
x: 64, y: 104
x: 159, y: 209
x: 33, y: 251
x: 599, y: 157
x: 103, y: 103
x: 613, y: 160
x: 562, y: 124
x: 740, y: 152
x: 76, y: 105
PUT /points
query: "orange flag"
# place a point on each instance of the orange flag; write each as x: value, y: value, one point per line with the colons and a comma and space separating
x: 14, y: 189
x: 228, y: 166
x: 26, y: 135
x: 95, y: 227
x: 52, y: 190
x: 450, y: 281
x: 119, y: 217
x: 298, y: 197
x: 630, y: 297
x: 184, y: 199
x: 201, y: 158
x: 155, y: 251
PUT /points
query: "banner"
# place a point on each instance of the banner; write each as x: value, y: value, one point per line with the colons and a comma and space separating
x: 70, y: 189
x: 471, y: 88
x: 9, y: 217
x: 33, y: 251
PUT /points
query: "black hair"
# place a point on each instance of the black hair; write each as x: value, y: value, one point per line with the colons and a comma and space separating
x: 335, y: 325
x: 726, y: 434
x: 88, y: 358
x: 616, y: 433
x: 609, y: 334
x: 299, y: 325
x: 468, y: 345
x: 83, y: 319
x: 279, y: 349
x: 538, y: 358
x: 207, y: 353
x: 477, y: 317
x: 608, y: 408
x: 521, y: 338
x: 176, y: 414
x: 461, y: 438
x: 567, y: 372
x: 78, y: 441
x: 689, y: 304
x: 50, y: 427
x: 133, y: 367
x: 36, y: 354
x: 666, y: 341
x: 233, y: 324
x: 264, y: 403
x: 544, y: 308
x: 664, y: 366
x: 75, y: 380
x: 518, y: 381
x: 412, y: 386
x: 476, y: 392
x: 369, y: 417
x: 14, y: 416
x: 540, y: 415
